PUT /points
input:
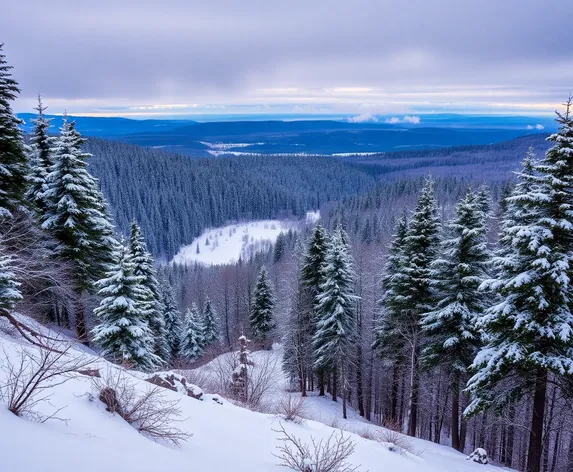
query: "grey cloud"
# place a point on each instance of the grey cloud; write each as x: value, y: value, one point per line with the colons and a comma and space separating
x: 211, y: 51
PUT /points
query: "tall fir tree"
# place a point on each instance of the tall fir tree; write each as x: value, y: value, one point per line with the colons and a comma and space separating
x: 417, y: 295
x: 144, y: 267
x: 333, y: 341
x: 13, y: 159
x: 192, y: 341
x: 262, y: 307
x: 312, y: 279
x: 172, y: 317
x: 529, y: 332
x: 122, y: 329
x: 41, y: 160
x: 389, y: 342
x: 210, y: 325
x: 77, y: 217
x: 452, y: 338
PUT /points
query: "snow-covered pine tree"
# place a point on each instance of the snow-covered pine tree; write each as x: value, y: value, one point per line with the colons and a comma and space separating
x: 261, y: 310
x: 192, y: 342
x: 13, y: 159
x: 41, y: 160
x: 529, y: 332
x: 417, y: 296
x: 452, y: 339
x: 9, y: 286
x: 77, y: 217
x: 144, y: 267
x: 389, y: 342
x: 311, y: 280
x: 172, y: 317
x: 122, y: 329
x: 210, y: 325
x: 333, y: 341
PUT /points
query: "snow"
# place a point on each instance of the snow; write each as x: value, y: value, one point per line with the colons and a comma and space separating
x: 224, y: 436
x: 225, y: 245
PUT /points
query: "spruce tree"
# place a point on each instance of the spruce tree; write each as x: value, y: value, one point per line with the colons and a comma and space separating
x: 172, y: 317
x: 333, y: 341
x: 389, y: 342
x: 77, y: 218
x: 421, y: 244
x: 9, y: 286
x: 210, y: 325
x: 192, y: 342
x: 262, y: 306
x: 122, y: 329
x: 41, y: 160
x: 13, y: 159
x: 529, y: 330
x: 144, y: 267
x: 457, y: 275
x: 311, y: 280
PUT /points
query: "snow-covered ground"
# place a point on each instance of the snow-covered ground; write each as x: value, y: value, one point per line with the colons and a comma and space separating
x: 225, y: 245
x: 224, y: 436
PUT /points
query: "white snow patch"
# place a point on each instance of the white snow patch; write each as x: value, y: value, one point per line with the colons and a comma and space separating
x: 225, y: 245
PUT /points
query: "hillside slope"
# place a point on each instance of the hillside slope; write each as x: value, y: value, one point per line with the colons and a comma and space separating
x: 224, y: 437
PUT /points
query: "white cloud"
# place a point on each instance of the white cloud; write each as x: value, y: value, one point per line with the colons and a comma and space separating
x: 539, y: 127
x: 364, y: 118
x: 413, y: 120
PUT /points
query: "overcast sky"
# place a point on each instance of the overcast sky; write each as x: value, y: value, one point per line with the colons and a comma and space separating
x: 179, y: 57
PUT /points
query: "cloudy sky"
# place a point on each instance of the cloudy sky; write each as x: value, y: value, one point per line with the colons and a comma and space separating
x: 362, y: 57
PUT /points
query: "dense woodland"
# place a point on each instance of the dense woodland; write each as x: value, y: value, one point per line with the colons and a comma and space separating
x: 439, y: 307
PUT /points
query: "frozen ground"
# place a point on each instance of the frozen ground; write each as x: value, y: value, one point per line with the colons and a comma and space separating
x: 225, y: 437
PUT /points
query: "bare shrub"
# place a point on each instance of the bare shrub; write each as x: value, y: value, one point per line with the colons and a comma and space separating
x: 32, y: 375
x: 322, y: 456
x: 150, y: 412
x: 262, y: 380
x: 397, y: 442
x: 291, y: 408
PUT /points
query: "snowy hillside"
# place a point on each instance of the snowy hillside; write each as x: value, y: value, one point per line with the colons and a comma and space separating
x: 225, y: 245
x: 224, y: 437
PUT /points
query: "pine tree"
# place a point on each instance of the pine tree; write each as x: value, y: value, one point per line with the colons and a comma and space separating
x: 122, y: 330
x: 529, y: 332
x: 389, y: 342
x: 210, y: 325
x: 312, y: 279
x: 172, y: 317
x: 192, y: 342
x: 41, y: 160
x: 333, y: 341
x: 144, y: 267
x: 262, y: 306
x: 240, y: 375
x: 417, y: 295
x: 77, y: 218
x: 457, y: 275
x: 9, y: 286
x: 13, y: 160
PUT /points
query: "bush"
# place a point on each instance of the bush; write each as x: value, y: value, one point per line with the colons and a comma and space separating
x: 150, y: 412
x: 322, y: 456
x: 396, y: 442
x: 34, y: 373
x: 291, y: 408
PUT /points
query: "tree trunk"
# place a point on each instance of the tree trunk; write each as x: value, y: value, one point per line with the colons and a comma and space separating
x: 359, y: 386
x: 81, y: 329
x: 510, y: 436
x: 456, y: 412
x: 536, y: 432
x: 321, y: 383
x: 334, y: 392
x: 414, y: 389
x: 394, y: 393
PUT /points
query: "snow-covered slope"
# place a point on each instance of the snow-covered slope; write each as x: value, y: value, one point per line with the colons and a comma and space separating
x: 224, y: 436
x: 225, y: 245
